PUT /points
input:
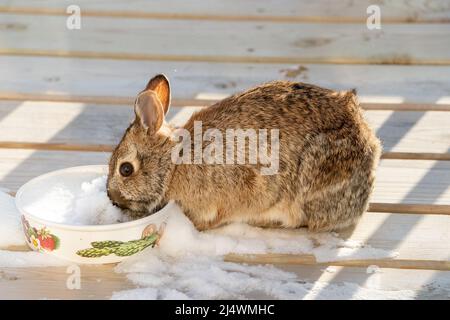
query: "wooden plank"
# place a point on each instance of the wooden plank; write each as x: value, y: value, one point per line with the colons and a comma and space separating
x: 406, y: 106
x: 409, y: 208
x: 411, y: 131
x: 416, y: 156
x: 268, y: 10
x: 63, y: 123
x: 198, y: 83
x: 15, y: 96
x: 307, y: 260
x: 92, y: 127
x: 57, y: 146
x: 17, y: 166
x: 414, y: 237
x: 421, y: 242
x: 220, y: 41
x: 97, y: 282
x: 421, y: 182
x: 101, y: 281
x: 70, y: 126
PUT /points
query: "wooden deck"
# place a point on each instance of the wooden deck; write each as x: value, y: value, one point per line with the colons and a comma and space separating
x: 65, y: 99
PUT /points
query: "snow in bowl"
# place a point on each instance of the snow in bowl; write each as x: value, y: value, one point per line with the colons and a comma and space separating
x: 66, y: 213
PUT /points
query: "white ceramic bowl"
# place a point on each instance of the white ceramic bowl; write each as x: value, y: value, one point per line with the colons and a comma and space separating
x: 90, y: 244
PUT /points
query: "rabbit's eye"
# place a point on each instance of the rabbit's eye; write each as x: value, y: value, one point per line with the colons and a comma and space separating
x: 126, y: 169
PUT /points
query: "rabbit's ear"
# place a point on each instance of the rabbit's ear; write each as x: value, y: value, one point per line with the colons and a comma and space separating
x: 161, y: 86
x: 149, y: 111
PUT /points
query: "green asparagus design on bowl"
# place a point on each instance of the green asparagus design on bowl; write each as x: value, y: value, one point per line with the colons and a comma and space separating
x: 150, y: 237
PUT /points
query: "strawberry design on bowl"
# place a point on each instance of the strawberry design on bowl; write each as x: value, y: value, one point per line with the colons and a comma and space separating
x: 47, y: 241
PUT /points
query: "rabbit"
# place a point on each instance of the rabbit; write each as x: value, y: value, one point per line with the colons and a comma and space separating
x: 327, y: 160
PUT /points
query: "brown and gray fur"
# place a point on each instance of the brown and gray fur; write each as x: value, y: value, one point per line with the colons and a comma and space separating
x: 328, y: 156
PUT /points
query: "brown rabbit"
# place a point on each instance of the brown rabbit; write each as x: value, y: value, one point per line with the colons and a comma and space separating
x: 327, y: 160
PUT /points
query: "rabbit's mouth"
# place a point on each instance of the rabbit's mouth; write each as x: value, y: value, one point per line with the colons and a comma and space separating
x: 135, y: 208
x: 140, y: 209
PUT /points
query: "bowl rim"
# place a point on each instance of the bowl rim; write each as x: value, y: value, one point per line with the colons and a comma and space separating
x: 89, y: 228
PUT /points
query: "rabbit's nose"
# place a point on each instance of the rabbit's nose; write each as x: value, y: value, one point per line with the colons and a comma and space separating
x: 115, y: 197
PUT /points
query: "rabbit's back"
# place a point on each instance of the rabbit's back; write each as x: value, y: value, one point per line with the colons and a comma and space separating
x: 290, y: 106
x: 327, y: 157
